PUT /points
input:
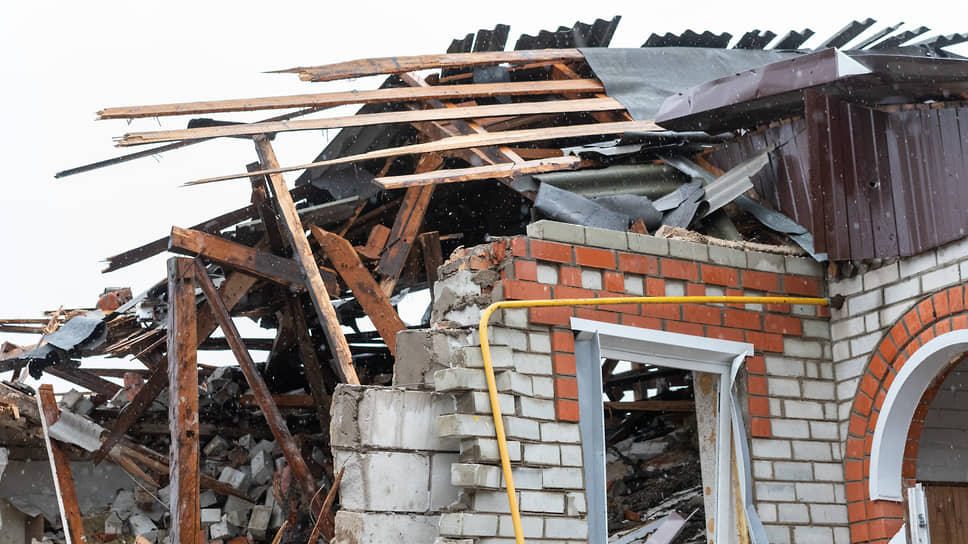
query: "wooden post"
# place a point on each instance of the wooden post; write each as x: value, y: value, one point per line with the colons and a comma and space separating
x: 183, y: 472
x: 60, y: 469
x: 277, y: 424
x: 304, y: 255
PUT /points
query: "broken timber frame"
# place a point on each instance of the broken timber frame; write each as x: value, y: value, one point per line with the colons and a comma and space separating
x: 304, y: 256
x: 61, y: 469
x: 183, y: 403
x: 250, y: 260
x: 277, y: 424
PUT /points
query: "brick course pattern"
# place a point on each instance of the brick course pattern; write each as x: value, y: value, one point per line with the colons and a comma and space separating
x: 942, y: 312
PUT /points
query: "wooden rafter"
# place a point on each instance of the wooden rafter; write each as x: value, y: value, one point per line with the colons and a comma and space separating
x: 249, y: 260
x: 465, y: 142
x: 327, y: 100
x: 60, y: 468
x: 372, y: 119
x: 507, y: 170
x: 397, y: 65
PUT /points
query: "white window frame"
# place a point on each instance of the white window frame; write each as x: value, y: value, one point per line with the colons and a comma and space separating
x: 724, y: 358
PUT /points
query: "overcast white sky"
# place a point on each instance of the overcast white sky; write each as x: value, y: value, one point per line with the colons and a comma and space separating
x: 63, y: 61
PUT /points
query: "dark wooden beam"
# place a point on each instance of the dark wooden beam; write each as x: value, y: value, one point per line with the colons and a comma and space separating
x: 365, y: 289
x: 307, y: 262
x: 315, y: 375
x: 183, y: 403
x: 61, y: 469
x: 84, y: 379
x: 277, y: 424
x: 432, y: 257
x: 652, y: 406
x: 252, y: 261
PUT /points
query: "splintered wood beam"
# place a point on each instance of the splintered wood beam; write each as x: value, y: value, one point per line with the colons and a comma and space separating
x: 319, y: 101
x: 267, y: 214
x: 406, y: 226
x: 84, y: 379
x: 365, y: 289
x: 465, y: 141
x: 252, y: 261
x: 304, y: 256
x: 496, y: 171
x: 277, y: 424
x: 60, y: 468
x: 432, y: 257
x: 315, y: 376
x: 184, y: 471
x: 371, y: 119
x: 396, y: 65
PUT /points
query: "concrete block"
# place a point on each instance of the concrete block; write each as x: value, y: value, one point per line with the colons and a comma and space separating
x: 605, y: 238
x: 775, y: 491
x: 531, y: 527
x: 783, y: 387
x: 804, y: 409
x: 832, y: 514
x: 113, y: 524
x: 936, y: 279
x: 485, y: 450
x: 793, y: 513
x: 575, y: 504
x: 261, y: 467
x: 766, y: 262
x: 375, y: 528
x: 688, y: 250
x: 513, y: 317
x: 912, y: 266
x: 502, y: 336
x: 864, y: 344
x: 558, y: 232
x: 778, y: 534
x: 790, y: 470
x: 812, y: 535
x: 811, y: 451
x: 727, y: 256
x: 141, y: 525
x: 539, y: 342
x: 861, y: 304
x: 566, y: 528
x: 344, y: 428
x: 591, y: 279
x: 554, y: 431
x: 543, y: 387
x: 562, y: 478
x: 644, y: 243
x: 762, y: 470
x: 207, y: 498
x: 771, y: 449
x: 542, y: 501
x: 208, y: 516
x: 767, y: 511
x: 221, y: 530
x: 259, y: 521
x: 466, y: 524
x: 525, y: 478
x: 479, y: 402
x: 532, y: 363
x: 820, y: 390
x: 809, y: 349
x: 547, y: 274
x: 878, y: 277
x: 465, y: 426
x: 634, y: 285
x: 491, y: 502
x: 790, y: 428
x: 470, y: 357
x: 406, y: 420
x: 815, y: 328
x: 904, y: 290
x: 512, y: 382
x: 459, y: 379
x: 535, y: 408
x: 236, y: 511
x: 386, y: 482
x: 783, y: 366
x: 570, y: 456
x: 872, y: 322
x: 804, y: 266
x: 815, y: 492
x: 233, y: 477
x: 476, y: 476
x: 521, y: 429
x: 542, y: 454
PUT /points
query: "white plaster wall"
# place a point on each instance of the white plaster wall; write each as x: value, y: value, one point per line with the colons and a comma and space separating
x: 943, y: 449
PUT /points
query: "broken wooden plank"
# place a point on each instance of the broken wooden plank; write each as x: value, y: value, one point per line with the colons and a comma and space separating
x: 375, y: 242
x: 365, y: 289
x: 288, y: 400
x: 235, y: 286
x: 267, y: 214
x: 406, y: 226
x: 319, y: 101
x: 277, y: 424
x: 371, y: 119
x: 183, y: 403
x: 496, y: 171
x: 652, y: 406
x: 84, y: 379
x: 465, y: 142
x: 315, y: 376
x: 432, y: 257
x: 304, y: 256
x: 60, y: 468
x: 397, y: 65
x: 252, y: 261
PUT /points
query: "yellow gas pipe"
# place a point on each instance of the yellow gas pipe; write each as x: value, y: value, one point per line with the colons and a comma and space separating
x: 489, y: 369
